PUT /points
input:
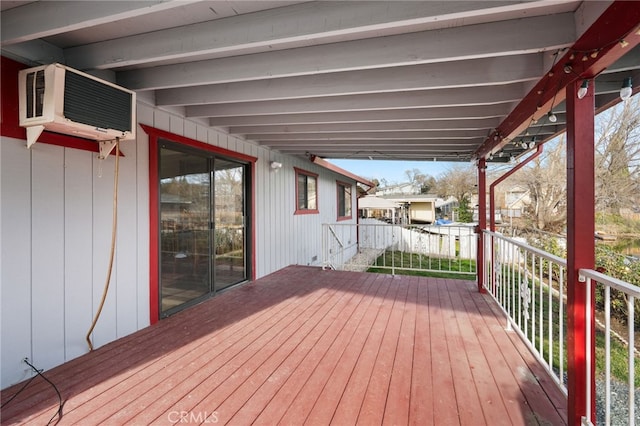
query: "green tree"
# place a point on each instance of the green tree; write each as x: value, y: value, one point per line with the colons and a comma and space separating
x: 465, y: 214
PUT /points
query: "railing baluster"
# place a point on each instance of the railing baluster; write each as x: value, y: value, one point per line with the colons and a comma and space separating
x: 607, y: 354
x: 550, y: 317
x: 541, y: 308
x: 589, y: 343
x: 631, y: 355
x: 561, y: 328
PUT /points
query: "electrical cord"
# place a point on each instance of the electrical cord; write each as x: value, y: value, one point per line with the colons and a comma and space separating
x: 58, y: 412
x: 114, y: 228
x: 18, y: 392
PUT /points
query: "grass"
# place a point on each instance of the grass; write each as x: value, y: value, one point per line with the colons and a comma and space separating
x: 404, y: 263
x: 619, y: 368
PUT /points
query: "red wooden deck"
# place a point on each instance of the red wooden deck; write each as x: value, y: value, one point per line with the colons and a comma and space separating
x: 306, y: 346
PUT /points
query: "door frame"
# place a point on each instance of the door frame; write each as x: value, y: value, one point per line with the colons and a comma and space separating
x: 154, y: 207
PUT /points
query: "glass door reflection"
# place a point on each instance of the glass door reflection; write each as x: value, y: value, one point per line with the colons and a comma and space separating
x: 203, y: 243
x: 229, y: 224
x: 185, y: 237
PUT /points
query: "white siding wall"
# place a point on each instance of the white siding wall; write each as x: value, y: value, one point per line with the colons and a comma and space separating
x: 55, y: 233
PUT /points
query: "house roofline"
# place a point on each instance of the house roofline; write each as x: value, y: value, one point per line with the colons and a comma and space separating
x: 327, y: 165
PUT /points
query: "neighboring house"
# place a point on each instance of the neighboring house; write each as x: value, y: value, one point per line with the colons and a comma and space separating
x: 402, y: 188
x: 420, y: 208
x: 372, y: 206
x: 198, y: 211
x: 446, y: 208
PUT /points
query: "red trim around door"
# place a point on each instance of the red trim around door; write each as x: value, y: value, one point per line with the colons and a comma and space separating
x: 154, y: 220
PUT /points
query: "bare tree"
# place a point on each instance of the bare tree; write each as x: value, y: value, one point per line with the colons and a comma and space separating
x: 618, y: 157
x: 545, y: 178
x: 424, y: 181
x: 458, y: 181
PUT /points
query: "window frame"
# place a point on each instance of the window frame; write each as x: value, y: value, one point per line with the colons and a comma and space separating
x: 344, y: 188
x: 307, y: 174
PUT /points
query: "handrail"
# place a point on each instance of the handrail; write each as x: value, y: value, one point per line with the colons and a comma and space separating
x: 538, y: 252
x: 384, y: 246
x: 611, y: 281
x: 529, y: 285
x: 588, y: 276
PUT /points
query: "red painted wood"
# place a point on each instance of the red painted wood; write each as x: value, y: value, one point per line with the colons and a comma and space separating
x: 422, y: 391
x: 304, y: 345
x: 330, y: 166
x: 154, y: 230
x: 154, y: 206
x: 162, y: 134
x: 519, y: 376
x: 479, y: 364
x: 482, y: 221
x: 375, y: 399
x: 316, y: 402
x: 445, y: 409
x: 399, y: 394
x: 269, y: 404
x: 619, y: 21
x: 580, y: 248
x: 350, y: 404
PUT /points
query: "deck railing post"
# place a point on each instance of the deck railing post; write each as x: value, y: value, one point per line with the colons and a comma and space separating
x: 482, y: 222
x: 580, y: 253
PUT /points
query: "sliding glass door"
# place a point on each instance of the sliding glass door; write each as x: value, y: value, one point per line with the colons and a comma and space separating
x: 230, y: 266
x: 202, y: 225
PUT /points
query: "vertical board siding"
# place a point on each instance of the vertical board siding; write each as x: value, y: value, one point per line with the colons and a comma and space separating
x: 15, y: 249
x: 142, y: 217
x: 126, y: 288
x: 47, y: 255
x: 78, y: 236
x: 56, y: 215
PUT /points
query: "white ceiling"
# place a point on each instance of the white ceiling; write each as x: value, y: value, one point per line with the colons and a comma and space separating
x: 344, y: 79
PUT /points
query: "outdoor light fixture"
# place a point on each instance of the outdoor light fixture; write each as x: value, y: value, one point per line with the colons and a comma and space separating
x: 532, y: 144
x: 552, y: 117
x: 276, y: 166
x: 584, y: 88
x: 626, y: 90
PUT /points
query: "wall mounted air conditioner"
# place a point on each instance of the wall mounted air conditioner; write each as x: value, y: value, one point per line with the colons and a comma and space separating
x: 63, y: 100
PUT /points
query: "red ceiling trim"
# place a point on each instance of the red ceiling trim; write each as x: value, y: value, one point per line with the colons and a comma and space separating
x: 598, y: 48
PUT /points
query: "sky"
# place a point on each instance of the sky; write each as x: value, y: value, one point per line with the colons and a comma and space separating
x: 392, y: 170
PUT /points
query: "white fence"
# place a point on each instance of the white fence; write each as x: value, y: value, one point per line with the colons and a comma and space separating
x: 373, y: 243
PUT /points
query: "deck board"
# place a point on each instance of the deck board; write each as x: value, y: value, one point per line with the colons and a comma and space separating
x: 307, y: 346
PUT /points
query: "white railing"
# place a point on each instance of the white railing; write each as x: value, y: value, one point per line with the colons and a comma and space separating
x: 603, y: 287
x: 376, y: 244
x: 530, y: 287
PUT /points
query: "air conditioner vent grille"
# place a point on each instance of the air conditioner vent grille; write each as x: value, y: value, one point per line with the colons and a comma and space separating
x: 92, y: 102
x: 35, y: 93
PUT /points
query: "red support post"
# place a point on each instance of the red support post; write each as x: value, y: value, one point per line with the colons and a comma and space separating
x: 482, y: 221
x: 580, y: 250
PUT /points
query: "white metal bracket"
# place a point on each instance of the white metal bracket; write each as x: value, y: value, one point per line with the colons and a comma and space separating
x: 106, y: 147
x: 582, y: 278
x: 33, y: 133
